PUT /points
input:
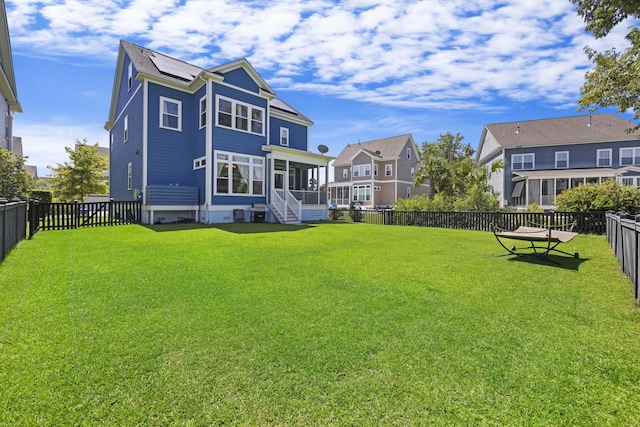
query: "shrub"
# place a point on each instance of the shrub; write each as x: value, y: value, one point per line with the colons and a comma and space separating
x: 534, y: 207
x: 608, y: 196
x: 335, y: 213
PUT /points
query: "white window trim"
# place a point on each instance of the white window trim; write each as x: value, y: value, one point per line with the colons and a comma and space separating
x: 556, y: 159
x: 251, y: 164
x: 203, y: 113
x: 604, y: 150
x: 129, y: 176
x: 345, y: 173
x: 284, y: 137
x: 356, y: 193
x: 361, y: 170
x: 199, y: 163
x: 164, y: 99
x: 130, y: 76
x: 375, y: 169
x: 408, y: 192
x: 634, y: 155
x: 408, y: 153
x: 533, y: 161
x: 250, y: 107
x: 126, y: 129
x: 388, y: 170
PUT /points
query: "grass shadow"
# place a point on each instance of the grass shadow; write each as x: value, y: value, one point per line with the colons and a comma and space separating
x: 557, y: 261
x: 238, y: 227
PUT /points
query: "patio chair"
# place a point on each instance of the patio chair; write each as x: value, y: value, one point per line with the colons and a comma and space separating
x: 541, y: 240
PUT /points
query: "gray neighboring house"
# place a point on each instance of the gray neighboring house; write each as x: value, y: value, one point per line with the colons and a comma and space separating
x: 376, y: 173
x: 9, y: 103
x: 545, y: 157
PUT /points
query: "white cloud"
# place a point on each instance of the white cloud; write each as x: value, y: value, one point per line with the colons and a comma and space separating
x: 446, y: 53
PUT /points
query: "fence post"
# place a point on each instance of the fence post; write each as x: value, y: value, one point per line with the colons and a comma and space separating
x: 34, y: 217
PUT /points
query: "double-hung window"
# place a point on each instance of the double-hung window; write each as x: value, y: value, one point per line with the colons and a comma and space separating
x: 522, y: 161
x: 239, y: 116
x: 604, y: 157
x: 203, y: 112
x: 388, y: 170
x: 345, y: 173
x: 562, y: 159
x: 170, y: 114
x: 408, y: 153
x: 284, y: 137
x: 362, y: 170
x: 239, y: 174
x: 629, y: 156
x: 126, y: 128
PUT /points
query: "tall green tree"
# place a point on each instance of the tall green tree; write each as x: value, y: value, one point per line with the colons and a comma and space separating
x: 615, y: 79
x: 14, y: 179
x: 450, y: 168
x: 83, y: 175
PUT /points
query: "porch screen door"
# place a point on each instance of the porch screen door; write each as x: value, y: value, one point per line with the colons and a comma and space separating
x: 278, y: 184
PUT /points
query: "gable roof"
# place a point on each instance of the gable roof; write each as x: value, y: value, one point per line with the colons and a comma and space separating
x: 559, y: 131
x: 184, y: 76
x: 7, y: 76
x: 383, y: 149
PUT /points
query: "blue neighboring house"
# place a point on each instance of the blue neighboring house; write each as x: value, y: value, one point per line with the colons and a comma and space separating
x: 209, y: 145
x: 545, y: 157
x: 9, y: 103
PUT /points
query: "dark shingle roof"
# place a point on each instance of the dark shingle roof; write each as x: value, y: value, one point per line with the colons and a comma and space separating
x: 389, y: 148
x: 561, y: 130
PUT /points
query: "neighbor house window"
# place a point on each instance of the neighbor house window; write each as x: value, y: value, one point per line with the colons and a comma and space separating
x: 408, y: 153
x: 362, y: 170
x: 203, y: 112
x: 111, y: 141
x: 562, y: 159
x: 239, y: 116
x: 170, y: 114
x: 129, y: 176
x: 627, y: 181
x: 629, y: 156
x: 522, y: 161
x: 604, y: 157
x: 375, y: 169
x: 126, y: 128
x: 413, y: 171
x: 284, y: 137
x: 388, y: 170
x: 408, y: 192
x: 345, y: 173
x: 361, y: 193
x: 199, y: 163
x: 130, y: 76
x: 239, y: 174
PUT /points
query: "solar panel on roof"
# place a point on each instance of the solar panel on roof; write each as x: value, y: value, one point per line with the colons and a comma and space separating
x: 282, y: 106
x: 175, y: 68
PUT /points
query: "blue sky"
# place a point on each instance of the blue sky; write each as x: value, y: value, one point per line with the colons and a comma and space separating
x: 360, y: 69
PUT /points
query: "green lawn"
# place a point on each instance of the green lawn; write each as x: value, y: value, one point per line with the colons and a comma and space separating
x: 323, y: 324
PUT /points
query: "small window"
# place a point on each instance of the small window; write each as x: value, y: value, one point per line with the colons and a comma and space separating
x: 375, y: 169
x: 126, y: 128
x: 562, y: 159
x: 408, y: 153
x: 130, y: 76
x: 284, y: 137
x: 129, y: 176
x: 413, y: 171
x: 170, y: 114
x: 388, y: 170
x: 203, y: 112
x: 604, y: 157
x: 111, y: 141
x: 408, y: 192
x: 199, y: 163
x: 345, y: 173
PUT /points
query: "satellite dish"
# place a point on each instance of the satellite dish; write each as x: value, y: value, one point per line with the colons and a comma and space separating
x: 378, y: 153
x: 323, y: 148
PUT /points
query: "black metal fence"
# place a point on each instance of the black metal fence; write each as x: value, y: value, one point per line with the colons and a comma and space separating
x: 66, y: 216
x: 586, y: 222
x: 623, y: 234
x: 13, y: 225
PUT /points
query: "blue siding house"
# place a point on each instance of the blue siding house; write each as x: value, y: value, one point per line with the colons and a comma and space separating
x: 545, y: 157
x: 209, y: 145
x: 9, y: 103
